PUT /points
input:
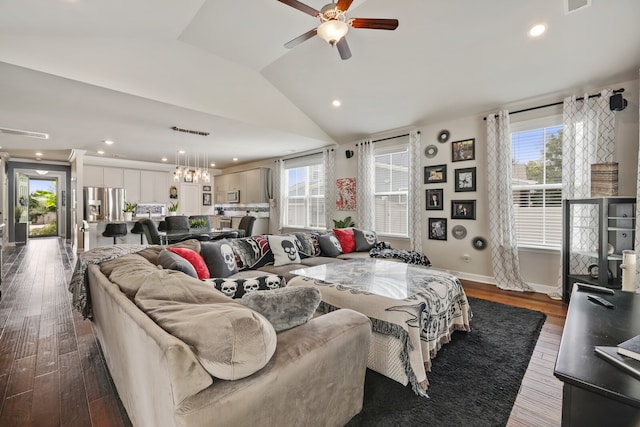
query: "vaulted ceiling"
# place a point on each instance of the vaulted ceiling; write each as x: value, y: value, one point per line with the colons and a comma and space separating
x: 87, y: 71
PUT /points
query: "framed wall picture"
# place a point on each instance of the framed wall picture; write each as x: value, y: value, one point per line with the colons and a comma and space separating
x: 206, y: 188
x: 206, y: 199
x: 435, y: 199
x: 463, y: 209
x: 465, y: 179
x: 173, y: 192
x: 463, y: 150
x: 434, y: 174
x: 438, y: 228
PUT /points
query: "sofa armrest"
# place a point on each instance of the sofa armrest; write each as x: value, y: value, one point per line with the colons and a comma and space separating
x: 316, y: 373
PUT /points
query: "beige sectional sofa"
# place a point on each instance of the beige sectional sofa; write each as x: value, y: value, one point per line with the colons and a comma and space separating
x: 312, y: 374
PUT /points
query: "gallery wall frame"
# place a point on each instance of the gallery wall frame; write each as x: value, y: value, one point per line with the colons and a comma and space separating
x: 463, y: 209
x: 435, y: 174
x: 206, y: 199
x: 465, y: 179
x: 438, y: 228
x: 464, y: 149
x: 435, y: 199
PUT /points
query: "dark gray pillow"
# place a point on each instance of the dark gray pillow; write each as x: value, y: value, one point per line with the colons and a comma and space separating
x: 173, y: 261
x: 329, y: 244
x: 365, y: 239
x: 285, y: 308
x: 219, y: 257
x: 237, y: 288
x: 307, y: 244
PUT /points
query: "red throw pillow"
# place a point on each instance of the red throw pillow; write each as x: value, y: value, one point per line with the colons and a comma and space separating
x: 346, y: 238
x: 195, y: 260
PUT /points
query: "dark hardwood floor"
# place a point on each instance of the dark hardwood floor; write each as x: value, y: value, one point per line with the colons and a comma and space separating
x: 52, y: 372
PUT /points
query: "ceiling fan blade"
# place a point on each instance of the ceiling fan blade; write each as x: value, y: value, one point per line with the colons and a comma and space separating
x: 343, y: 5
x: 301, y: 7
x: 343, y: 48
x: 306, y: 36
x: 374, y: 23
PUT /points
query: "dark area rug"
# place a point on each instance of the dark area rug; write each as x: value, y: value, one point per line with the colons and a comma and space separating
x: 474, y: 379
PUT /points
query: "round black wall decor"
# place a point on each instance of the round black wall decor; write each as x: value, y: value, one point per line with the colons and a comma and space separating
x: 479, y: 243
x: 443, y: 136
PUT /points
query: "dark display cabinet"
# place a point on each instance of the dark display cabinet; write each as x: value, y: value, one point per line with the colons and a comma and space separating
x: 595, y: 232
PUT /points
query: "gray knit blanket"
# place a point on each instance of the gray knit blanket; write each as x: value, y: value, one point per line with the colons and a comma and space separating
x: 79, y: 284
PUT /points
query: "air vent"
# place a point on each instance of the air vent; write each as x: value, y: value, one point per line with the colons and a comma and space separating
x: 571, y: 6
x: 38, y: 135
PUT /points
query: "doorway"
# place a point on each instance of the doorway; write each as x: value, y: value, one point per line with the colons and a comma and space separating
x: 43, y: 207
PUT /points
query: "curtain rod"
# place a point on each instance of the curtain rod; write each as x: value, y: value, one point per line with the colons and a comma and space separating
x: 553, y: 104
x: 304, y: 155
x: 391, y: 137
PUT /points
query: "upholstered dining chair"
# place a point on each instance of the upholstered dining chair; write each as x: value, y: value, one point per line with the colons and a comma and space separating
x: 177, y: 223
x: 245, y: 227
x: 150, y: 231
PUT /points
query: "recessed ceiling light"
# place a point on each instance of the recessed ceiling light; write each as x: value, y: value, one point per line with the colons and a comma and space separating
x: 164, y: 159
x: 336, y: 103
x: 100, y: 152
x: 213, y: 165
x: 39, y: 154
x: 108, y: 142
x: 235, y: 159
x: 537, y: 30
x: 181, y: 151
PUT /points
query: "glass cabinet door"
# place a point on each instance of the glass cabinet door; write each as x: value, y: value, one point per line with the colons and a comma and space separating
x: 596, y: 232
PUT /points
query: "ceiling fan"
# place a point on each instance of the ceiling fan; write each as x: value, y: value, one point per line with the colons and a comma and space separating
x: 334, y: 24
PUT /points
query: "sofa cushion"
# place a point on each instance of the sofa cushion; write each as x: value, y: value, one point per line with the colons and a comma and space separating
x: 365, y: 239
x: 283, y: 270
x: 230, y: 340
x: 173, y: 261
x: 151, y: 253
x: 128, y: 272
x: 195, y: 260
x: 251, y: 252
x: 237, y: 288
x: 284, y: 250
x: 285, y: 308
x: 329, y: 244
x: 346, y: 238
x: 321, y: 260
x: 219, y: 257
x: 308, y: 245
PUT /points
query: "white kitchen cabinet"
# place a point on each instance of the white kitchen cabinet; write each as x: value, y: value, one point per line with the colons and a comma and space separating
x: 220, y: 187
x: 154, y: 187
x: 93, y: 176
x: 254, y: 186
x: 113, y: 177
x: 132, y: 185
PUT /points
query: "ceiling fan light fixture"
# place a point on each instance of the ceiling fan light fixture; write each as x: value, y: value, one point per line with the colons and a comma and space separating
x: 332, y: 31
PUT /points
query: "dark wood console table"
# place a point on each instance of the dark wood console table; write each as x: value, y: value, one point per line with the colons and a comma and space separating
x: 595, y: 392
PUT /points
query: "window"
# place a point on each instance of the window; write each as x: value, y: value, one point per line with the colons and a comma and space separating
x: 537, y: 185
x: 304, y: 194
x: 392, y: 190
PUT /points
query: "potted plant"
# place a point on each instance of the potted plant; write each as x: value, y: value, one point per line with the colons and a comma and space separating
x: 21, y: 228
x: 173, y: 208
x: 344, y: 223
x: 197, y: 223
x: 129, y: 209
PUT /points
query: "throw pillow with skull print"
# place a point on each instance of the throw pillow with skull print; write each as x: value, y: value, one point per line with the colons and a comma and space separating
x: 284, y: 250
x: 365, y: 239
x: 219, y: 257
x: 236, y: 288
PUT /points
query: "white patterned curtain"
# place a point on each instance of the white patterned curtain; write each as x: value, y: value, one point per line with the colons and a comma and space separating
x: 330, y: 189
x: 502, y: 235
x: 588, y: 137
x: 365, y: 187
x: 415, y: 196
x: 279, y: 192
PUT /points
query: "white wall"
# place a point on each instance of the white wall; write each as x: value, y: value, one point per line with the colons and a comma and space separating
x: 539, y: 268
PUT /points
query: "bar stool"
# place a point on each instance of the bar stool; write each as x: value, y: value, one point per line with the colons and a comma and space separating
x: 115, y: 229
x: 138, y: 229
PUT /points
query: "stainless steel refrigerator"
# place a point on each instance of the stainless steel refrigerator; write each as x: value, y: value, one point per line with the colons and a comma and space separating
x: 103, y: 203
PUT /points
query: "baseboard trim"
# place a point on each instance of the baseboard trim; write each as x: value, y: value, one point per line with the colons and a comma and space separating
x: 537, y: 287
